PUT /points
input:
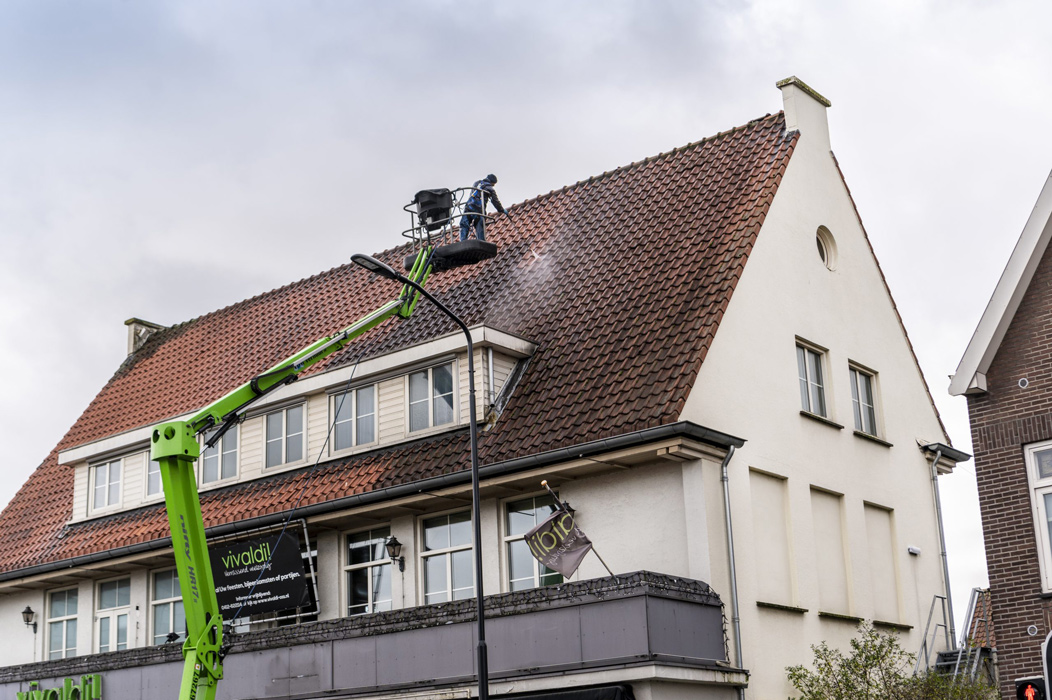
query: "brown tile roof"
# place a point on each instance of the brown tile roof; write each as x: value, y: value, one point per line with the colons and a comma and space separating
x: 637, y: 267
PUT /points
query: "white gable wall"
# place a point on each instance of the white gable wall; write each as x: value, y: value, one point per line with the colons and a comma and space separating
x: 748, y: 386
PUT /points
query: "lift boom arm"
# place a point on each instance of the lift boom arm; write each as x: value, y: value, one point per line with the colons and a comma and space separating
x: 175, y: 448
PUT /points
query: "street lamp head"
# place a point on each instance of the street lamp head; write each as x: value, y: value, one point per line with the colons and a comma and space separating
x: 374, y: 266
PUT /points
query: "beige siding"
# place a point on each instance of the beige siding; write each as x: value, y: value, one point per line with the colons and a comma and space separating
x: 80, y: 492
x: 133, y: 473
x: 317, y: 424
x: 481, y: 378
x: 772, y: 553
x: 830, y: 547
x: 502, y: 367
x: 884, y: 576
x: 391, y: 405
x: 251, y: 455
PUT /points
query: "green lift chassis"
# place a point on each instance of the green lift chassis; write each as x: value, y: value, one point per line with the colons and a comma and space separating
x: 175, y: 447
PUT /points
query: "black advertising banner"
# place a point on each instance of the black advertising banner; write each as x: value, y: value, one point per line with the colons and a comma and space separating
x: 558, y: 543
x: 236, y: 566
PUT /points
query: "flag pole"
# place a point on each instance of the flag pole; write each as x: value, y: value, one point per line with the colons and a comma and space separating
x: 562, y: 505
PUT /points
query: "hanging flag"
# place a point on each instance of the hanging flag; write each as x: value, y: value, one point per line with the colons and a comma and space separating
x: 558, y: 543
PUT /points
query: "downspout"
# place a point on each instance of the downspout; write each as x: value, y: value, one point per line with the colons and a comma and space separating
x: 942, y: 545
x: 735, y: 617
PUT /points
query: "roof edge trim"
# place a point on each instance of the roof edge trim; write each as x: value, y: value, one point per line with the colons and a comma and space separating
x: 680, y: 429
x: 1005, y: 300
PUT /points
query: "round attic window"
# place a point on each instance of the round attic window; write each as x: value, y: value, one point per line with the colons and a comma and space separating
x: 826, y: 247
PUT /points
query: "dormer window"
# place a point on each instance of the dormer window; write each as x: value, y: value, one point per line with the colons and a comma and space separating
x: 106, y: 485
x: 431, y: 397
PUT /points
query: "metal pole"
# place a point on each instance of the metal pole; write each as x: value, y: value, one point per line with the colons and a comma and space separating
x: 951, y: 632
x: 735, y: 616
x: 483, y: 656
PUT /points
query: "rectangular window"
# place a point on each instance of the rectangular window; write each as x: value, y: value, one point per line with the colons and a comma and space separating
x: 862, y: 401
x: 166, y: 608
x: 153, y: 476
x: 431, y: 397
x: 111, y: 616
x: 106, y: 480
x: 62, y: 624
x: 524, y: 571
x: 220, y: 461
x: 1039, y: 474
x: 812, y: 387
x: 446, y: 558
x: 285, y: 436
x: 355, y: 418
x: 368, y: 572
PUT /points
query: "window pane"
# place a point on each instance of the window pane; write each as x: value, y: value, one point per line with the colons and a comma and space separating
x: 520, y: 565
x: 275, y: 426
x: 521, y: 518
x: 162, y: 585
x: 295, y: 420
x: 818, y: 399
x: 180, y: 620
x: 55, y: 635
x: 444, y: 409
x: 71, y: 602
x: 210, y: 467
x: 122, y: 632
x: 435, y: 579
x: 108, y: 595
x: 418, y: 416
x: 366, y: 429
x: 161, y: 622
x: 123, y: 592
x: 343, y: 408
x: 274, y: 453
x: 153, y: 478
x: 114, y: 493
x: 436, y: 533
x: 801, y: 366
x: 100, y: 476
x: 229, y: 465
x: 358, y: 590
x: 381, y: 587
x: 1044, y: 463
x: 460, y: 529
x: 294, y: 448
x: 71, y: 637
x: 342, y: 436
x: 462, y: 574
x: 58, y: 604
x: 366, y: 398
x: 549, y: 577
x: 418, y: 387
x: 443, y: 378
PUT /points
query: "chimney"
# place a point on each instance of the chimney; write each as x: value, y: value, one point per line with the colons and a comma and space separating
x: 139, y: 331
x: 805, y: 111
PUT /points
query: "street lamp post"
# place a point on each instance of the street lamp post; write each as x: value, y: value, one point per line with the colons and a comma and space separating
x: 383, y: 270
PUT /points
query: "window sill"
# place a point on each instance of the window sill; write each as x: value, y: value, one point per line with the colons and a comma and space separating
x: 778, y: 606
x: 839, y: 616
x: 872, y: 438
x: 821, y: 419
x: 892, y: 625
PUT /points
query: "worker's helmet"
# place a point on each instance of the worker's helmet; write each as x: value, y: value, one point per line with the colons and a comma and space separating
x: 492, y: 178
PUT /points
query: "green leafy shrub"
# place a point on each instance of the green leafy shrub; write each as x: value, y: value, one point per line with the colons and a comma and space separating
x: 877, y: 668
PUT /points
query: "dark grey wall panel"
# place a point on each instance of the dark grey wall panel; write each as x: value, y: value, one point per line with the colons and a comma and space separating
x: 684, y: 630
x: 614, y: 629
x: 354, y: 663
x: 538, y: 640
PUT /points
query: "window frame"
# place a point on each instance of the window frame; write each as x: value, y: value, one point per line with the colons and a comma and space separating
x: 284, y: 410
x: 1039, y: 487
x: 64, y: 620
x: 112, y: 615
x: 234, y: 435
x: 424, y: 554
x: 507, y: 539
x: 146, y: 495
x: 352, y: 395
x: 93, y: 488
x: 454, y: 395
x: 347, y: 567
x: 855, y: 371
x: 170, y: 602
x: 822, y: 364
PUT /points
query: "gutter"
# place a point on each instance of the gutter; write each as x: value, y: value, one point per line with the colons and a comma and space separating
x: 735, y: 615
x: 681, y: 429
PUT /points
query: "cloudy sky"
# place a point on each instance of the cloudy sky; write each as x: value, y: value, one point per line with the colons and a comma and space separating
x: 165, y: 159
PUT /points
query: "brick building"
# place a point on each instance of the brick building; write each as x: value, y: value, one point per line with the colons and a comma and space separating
x: 694, y: 346
x: 1006, y: 375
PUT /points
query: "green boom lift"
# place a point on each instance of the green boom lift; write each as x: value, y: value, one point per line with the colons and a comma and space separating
x: 175, y: 447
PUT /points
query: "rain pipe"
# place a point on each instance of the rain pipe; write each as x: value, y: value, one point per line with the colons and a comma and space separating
x: 735, y: 617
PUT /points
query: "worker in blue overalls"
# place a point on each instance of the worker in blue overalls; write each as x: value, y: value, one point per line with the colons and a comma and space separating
x: 481, y: 195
